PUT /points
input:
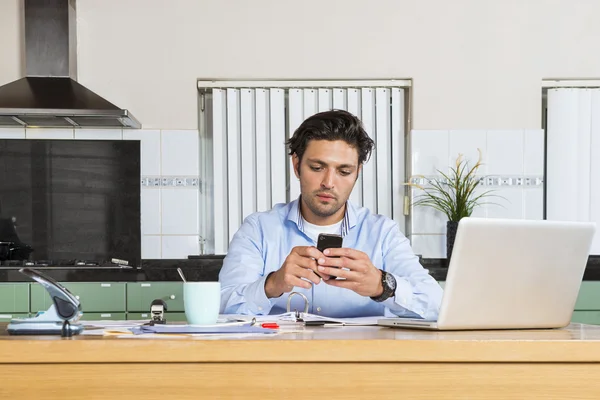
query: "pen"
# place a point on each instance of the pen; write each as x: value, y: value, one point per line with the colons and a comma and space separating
x: 271, y: 325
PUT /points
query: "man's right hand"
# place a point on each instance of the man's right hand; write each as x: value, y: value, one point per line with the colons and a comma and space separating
x: 300, y: 263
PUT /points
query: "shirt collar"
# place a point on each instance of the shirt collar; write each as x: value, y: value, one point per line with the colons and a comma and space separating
x: 348, y: 222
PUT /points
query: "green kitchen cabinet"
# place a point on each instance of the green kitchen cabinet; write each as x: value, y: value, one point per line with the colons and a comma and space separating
x: 14, y: 298
x: 4, y: 317
x: 95, y: 297
x: 589, y: 296
x: 141, y: 294
x: 586, y: 317
x: 91, y: 316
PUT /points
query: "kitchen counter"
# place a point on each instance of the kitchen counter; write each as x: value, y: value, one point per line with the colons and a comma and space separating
x: 197, y: 268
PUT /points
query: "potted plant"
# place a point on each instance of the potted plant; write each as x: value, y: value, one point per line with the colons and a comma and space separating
x: 454, y: 195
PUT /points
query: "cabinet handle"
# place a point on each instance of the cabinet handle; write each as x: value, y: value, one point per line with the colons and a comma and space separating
x: 172, y: 297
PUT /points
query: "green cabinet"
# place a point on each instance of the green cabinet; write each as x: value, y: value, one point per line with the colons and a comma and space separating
x: 586, y: 317
x: 104, y: 316
x: 141, y: 294
x: 95, y: 297
x: 589, y: 296
x: 14, y: 298
x: 99, y: 300
x: 8, y: 317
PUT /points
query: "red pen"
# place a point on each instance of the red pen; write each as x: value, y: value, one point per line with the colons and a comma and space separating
x: 271, y: 325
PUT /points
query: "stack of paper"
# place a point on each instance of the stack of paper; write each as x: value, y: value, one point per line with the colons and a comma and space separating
x: 198, y: 329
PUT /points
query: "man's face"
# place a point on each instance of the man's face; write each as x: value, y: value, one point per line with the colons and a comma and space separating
x: 327, y: 173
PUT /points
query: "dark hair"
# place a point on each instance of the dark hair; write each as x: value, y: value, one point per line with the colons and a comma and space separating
x: 332, y: 125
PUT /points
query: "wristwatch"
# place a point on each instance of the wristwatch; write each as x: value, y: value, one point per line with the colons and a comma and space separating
x: 389, y: 287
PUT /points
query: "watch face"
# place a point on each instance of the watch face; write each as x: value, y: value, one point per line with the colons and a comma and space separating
x: 390, y: 281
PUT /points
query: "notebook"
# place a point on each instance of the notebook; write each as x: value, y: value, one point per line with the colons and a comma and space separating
x: 510, y: 274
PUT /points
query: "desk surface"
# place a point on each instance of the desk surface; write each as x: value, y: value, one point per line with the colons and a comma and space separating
x: 575, y: 343
x: 342, y: 362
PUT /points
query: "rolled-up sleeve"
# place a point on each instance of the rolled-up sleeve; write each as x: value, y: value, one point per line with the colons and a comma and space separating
x: 242, y: 276
x: 417, y: 293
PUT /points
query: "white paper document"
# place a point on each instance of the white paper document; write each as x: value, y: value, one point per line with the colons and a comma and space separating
x: 307, y: 317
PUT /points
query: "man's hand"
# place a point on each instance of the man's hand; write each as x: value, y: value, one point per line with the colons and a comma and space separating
x: 359, y: 273
x: 300, y: 263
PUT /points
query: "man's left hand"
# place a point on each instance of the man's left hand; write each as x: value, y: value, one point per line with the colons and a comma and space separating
x: 358, y: 272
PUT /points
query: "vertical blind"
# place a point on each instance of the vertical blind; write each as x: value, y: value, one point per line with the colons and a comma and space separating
x: 251, y: 170
x: 573, y: 156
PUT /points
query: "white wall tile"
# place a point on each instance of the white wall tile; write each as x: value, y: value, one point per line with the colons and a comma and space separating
x: 533, y: 155
x: 12, y: 133
x: 151, y: 247
x: 150, y: 211
x: 179, y: 211
x: 504, y: 152
x: 99, y: 134
x: 480, y: 210
x: 180, y: 152
x: 508, y: 205
x: 150, y: 149
x: 533, y: 203
x: 49, y: 133
x: 466, y: 143
x: 424, y: 219
x: 429, y: 150
x: 429, y: 246
x: 178, y: 247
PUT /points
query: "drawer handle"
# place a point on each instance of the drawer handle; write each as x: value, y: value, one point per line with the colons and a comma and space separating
x: 172, y: 297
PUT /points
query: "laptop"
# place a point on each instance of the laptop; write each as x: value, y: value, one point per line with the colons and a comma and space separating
x: 510, y: 274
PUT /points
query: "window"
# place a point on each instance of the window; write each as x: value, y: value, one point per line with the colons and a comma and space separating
x: 572, y: 123
x: 244, y: 164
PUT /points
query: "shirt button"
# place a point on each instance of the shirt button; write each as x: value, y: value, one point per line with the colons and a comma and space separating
x: 319, y: 309
x: 259, y: 308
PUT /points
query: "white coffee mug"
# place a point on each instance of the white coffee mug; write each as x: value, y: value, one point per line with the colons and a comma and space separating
x: 201, y: 302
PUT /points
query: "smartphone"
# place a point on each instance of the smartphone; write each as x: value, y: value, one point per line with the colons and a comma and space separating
x: 329, y: 241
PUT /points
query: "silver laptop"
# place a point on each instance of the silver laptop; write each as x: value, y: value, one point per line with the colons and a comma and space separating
x: 511, y: 274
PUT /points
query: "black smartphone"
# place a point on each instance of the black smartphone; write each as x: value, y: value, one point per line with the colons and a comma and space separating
x: 329, y: 241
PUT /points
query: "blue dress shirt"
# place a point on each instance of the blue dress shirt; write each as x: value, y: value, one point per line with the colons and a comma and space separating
x: 265, y: 239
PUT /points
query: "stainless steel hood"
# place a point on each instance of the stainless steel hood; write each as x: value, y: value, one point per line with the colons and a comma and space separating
x: 49, y: 95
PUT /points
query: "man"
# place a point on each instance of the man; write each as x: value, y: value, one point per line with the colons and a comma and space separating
x: 274, y: 253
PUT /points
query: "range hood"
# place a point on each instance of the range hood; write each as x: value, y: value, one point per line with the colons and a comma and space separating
x: 49, y: 95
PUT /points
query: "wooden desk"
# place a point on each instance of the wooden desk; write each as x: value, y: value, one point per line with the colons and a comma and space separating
x: 348, y: 363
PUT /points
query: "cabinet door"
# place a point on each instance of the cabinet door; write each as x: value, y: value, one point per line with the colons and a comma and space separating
x: 94, y: 296
x: 103, y: 316
x: 586, y: 317
x: 589, y: 296
x: 8, y: 317
x: 141, y: 294
x: 14, y: 298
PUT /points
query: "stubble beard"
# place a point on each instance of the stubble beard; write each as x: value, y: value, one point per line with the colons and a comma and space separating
x: 321, y: 209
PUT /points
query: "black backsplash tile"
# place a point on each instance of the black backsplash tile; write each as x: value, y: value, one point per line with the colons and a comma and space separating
x: 202, y: 268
